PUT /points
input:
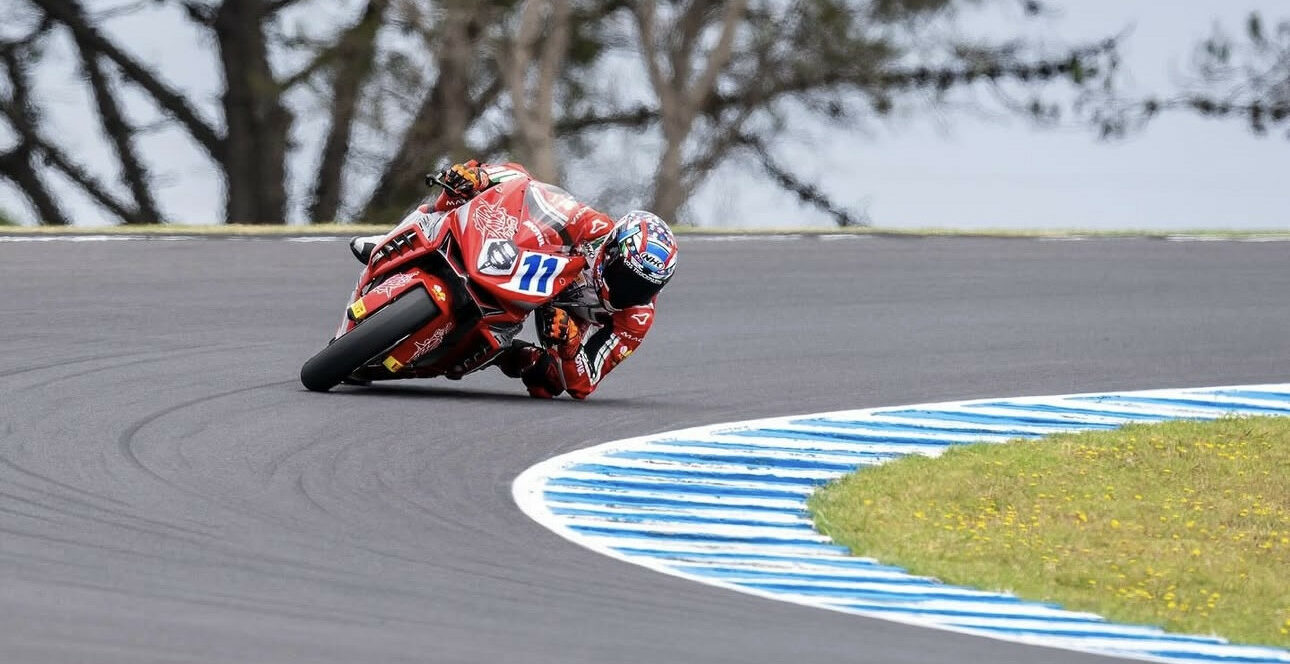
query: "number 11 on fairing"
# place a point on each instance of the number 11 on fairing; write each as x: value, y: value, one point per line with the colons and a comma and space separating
x: 536, y: 273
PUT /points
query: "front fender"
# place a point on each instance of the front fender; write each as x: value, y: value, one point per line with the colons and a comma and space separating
x: 396, y: 285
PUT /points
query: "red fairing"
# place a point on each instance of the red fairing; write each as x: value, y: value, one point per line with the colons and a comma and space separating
x: 487, y: 263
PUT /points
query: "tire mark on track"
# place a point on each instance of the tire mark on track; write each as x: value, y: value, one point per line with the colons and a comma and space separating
x: 6, y: 462
x: 125, y: 442
x: 260, y: 605
x: 77, y: 360
x: 182, y: 352
x: 49, y: 498
x: 126, y: 446
x: 224, y: 559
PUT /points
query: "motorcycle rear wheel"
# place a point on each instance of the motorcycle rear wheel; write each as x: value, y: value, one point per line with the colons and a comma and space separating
x: 376, y: 334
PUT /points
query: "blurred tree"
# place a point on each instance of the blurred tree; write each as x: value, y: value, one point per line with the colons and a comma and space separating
x: 23, y: 165
x: 729, y: 75
x: 250, y: 148
x: 1244, y: 78
x: 530, y: 63
x: 453, y: 33
x: 350, y: 60
x: 684, y: 82
x: 19, y: 164
x: 406, y: 86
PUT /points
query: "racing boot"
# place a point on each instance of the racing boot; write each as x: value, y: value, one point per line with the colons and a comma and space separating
x: 519, y: 358
x: 363, y: 246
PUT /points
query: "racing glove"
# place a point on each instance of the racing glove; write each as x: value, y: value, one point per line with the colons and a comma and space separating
x: 559, y: 332
x: 466, y: 180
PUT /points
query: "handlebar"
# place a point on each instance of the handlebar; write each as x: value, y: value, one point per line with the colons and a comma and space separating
x: 433, y: 179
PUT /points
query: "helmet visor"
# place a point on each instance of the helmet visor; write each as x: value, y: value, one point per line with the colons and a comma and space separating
x: 627, y: 288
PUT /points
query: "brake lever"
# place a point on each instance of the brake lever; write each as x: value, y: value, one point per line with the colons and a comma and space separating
x: 434, y: 178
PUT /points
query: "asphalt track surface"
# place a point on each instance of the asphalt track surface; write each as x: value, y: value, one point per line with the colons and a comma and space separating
x: 169, y: 492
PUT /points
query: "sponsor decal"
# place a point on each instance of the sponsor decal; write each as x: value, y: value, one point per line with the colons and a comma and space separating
x: 641, y: 318
x: 590, y: 247
x: 492, y: 220
x: 630, y: 337
x: 426, y: 345
x: 388, y: 287
x: 652, y: 277
x: 357, y: 310
x: 497, y: 257
x: 580, y: 362
x: 537, y: 232
x: 392, y: 364
x: 598, y: 225
x: 439, y: 294
x: 651, y: 260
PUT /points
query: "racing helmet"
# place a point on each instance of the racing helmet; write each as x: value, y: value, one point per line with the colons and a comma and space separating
x: 635, y: 262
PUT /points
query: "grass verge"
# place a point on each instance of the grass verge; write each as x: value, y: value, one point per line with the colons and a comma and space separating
x: 1183, y: 524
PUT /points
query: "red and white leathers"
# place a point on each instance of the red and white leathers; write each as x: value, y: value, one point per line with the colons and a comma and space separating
x: 605, y: 336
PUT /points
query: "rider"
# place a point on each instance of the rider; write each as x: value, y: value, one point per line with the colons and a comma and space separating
x: 598, y: 319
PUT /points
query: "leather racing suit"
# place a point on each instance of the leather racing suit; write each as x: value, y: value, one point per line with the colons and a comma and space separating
x: 604, y: 336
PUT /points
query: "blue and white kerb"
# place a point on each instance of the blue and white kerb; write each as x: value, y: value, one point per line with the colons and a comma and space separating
x: 726, y: 505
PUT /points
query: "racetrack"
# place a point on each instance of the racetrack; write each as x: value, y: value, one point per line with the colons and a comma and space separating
x: 169, y: 493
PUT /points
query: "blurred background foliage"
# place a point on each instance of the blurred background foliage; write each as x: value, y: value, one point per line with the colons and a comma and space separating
x: 401, y: 87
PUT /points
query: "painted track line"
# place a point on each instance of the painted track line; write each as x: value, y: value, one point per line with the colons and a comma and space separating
x: 725, y: 505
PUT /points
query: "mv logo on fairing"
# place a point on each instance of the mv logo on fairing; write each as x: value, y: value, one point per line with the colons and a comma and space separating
x: 497, y: 257
x: 493, y: 221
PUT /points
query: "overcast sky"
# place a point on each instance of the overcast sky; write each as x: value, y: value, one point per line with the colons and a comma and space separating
x: 1183, y: 171
x: 956, y: 171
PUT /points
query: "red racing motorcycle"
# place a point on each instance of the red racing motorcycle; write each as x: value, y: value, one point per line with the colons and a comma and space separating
x: 445, y: 292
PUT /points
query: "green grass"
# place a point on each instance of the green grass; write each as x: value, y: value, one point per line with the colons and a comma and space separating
x: 1183, y: 524
x: 368, y: 229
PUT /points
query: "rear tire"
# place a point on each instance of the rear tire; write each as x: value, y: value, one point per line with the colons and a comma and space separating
x: 373, y: 336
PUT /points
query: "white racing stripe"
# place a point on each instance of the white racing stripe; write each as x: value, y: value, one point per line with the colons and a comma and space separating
x: 725, y: 505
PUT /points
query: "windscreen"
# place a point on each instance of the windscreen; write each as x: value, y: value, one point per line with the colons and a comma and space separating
x: 550, y: 206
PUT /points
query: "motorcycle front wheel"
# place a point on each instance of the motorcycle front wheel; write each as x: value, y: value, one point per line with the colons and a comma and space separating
x: 375, y: 335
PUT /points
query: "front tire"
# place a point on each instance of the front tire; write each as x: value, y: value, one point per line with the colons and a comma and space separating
x: 373, y: 336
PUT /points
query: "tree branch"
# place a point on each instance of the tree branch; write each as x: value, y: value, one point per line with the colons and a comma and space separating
x: 121, y: 134
x: 644, y: 12
x: 806, y: 192
x: 357, y: 50
x: 72, y: 14
x: 719, y: 57
x: 16, y: 165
